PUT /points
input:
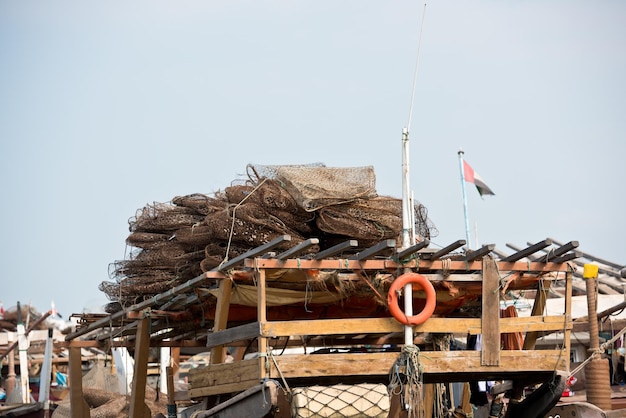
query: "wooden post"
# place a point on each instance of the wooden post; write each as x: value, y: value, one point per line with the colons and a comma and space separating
x: 78, y: 405
x: 569, y: 276
x: 138, y: 407
x: 538, y: 306
x: 218, y: 353
x: 490, y: 319
x: 262, y: 318
x: 10, y: 383
x: 171, y: 402
x: 597, y: 376
x: 175, y: 359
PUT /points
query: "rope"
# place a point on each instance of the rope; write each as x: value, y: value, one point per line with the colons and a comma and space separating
x: 232, y: 225
x: 282, y: 377
x: 600, y: 350
x: 417, y: 61
x: 445, y: 267
x: 406, y: 379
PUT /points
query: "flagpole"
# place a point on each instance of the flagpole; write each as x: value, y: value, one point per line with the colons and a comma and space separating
x: 467, y: 229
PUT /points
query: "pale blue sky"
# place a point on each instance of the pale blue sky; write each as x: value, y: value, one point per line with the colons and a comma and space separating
x: 106, y: 106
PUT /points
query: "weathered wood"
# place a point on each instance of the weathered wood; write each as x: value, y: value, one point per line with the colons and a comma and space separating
x: 230, y: 335
x: 567, y: 257
x: 374, y: 250
x: 554, y: 253
x: 538, y: 306
x: 481, y: 252
x: 490, y: 315
x: 138, y: 407
x: 526, y: 252
x: 446, y: 250
x: 390, y: 325
x: 220, y: 374
x: 401, y: 255
x: 262, y: 316
x: 390, y: 265
x: 298, y: 249
x: 218, y: 353
x: 224, y: 378
x: 255, y: 252
x: 79, y: 407
x: 336, y: 249
x: 224, y: 388
x: 434, y: 362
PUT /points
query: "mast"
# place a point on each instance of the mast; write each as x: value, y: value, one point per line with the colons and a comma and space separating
x: 465, y: 212
x: 407, y: 228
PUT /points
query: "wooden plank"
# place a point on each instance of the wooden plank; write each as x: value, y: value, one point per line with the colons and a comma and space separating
x: 221, y: 374
x: 387, y: 264
x: 231, y: 335
x: 434, y: 362
x: 445, y: 250
x: 298, y: 249
x: 138, y: 407
x: 538, y: 307
x: 483, y: 251
x: 374, y: 250
x: 390, y: 325
x: 336, y: 249
x: 401, y: 255
x: 218, y: 353
x: 238, y: 376
x: 262, y: 315
x: 490, y: 314
x: 225, y: 388
x: 568, y: 314
x: 527, y: 252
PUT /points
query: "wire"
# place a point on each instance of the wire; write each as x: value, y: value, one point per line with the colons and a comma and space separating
x: 417, y: 60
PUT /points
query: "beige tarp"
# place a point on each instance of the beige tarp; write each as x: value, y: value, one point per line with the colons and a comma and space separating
x: 247, y: 295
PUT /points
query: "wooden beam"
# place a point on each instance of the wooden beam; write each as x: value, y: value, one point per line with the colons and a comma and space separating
x: 391, y: 265
x: 490, y: 314
x: 540, y: 304
x: 401, y: 255
x: 262, y: 318
x: 446, y: 250
x: 231, y: 335
x: 218, y: 353
x: 554, y: 253
x: 138, y: 407
x: 298, y: 249
x: 374, y: 250
x: 434, y: 362
x: 480, y: 253
x: 336, y: 249
x: 472, y: 326
x: 78, y: 405
x: 529, y: 250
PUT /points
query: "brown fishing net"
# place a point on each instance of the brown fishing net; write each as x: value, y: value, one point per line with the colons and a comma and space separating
x: 176, y: 241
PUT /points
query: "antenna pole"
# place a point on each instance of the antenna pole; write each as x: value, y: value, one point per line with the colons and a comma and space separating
x: 465, y: 212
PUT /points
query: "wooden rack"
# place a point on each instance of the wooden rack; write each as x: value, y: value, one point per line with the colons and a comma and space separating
x: 372, y: 365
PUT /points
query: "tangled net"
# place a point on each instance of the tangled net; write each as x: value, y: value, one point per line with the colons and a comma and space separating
x: 176, y: 241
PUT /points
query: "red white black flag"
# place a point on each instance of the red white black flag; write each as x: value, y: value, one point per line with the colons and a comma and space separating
x: 472, y: 177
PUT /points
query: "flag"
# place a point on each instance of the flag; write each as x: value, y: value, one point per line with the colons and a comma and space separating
x: 472, y: 177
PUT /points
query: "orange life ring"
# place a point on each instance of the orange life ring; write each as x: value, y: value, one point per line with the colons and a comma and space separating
x: 431, y: 298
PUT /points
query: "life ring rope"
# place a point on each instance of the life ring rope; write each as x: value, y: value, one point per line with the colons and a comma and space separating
x: 422, y: 282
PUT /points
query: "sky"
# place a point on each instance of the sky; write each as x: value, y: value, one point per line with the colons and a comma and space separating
x: 107, y: 106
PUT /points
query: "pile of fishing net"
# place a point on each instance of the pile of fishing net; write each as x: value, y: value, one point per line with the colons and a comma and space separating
x: 177, y: 241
